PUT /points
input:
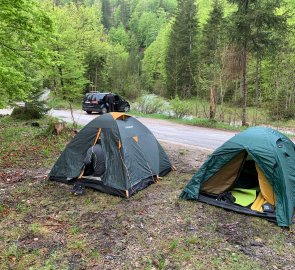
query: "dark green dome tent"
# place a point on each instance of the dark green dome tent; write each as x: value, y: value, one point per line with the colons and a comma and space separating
x: 240, y: 165
x: 134, y: 158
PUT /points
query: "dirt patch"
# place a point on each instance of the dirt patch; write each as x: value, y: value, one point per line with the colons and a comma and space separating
x: 186, y: 158
x: 13, y: 176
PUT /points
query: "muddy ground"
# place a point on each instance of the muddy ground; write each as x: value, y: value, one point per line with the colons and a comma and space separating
x: 44, y: 226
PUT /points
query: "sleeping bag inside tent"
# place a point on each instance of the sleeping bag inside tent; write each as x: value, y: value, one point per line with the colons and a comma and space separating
x: 134, y: 158
x: 252, y: 173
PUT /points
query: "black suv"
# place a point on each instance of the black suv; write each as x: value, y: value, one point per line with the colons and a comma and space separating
x: 96, y: 102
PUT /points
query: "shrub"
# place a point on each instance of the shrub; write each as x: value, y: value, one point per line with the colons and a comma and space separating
x: 282, y: 113
x: 179, y: 107
x: 278, y: 109
x: 27, y: 112
x: 33, y: 109
x: 150, y: 104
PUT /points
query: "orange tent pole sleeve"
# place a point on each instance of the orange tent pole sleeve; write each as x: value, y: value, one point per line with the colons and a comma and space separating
x: 97, y: 136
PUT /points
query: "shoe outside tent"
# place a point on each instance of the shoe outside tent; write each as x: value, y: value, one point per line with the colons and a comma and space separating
x: 252, y: 173
x: 134, y: 157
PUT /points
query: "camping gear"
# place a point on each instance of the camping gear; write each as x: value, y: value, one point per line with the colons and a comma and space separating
x: 134, y: 158
x: 260, y: 157
x: 243, y: 196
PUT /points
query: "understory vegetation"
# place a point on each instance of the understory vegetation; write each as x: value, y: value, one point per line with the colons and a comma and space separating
x: 44, y: 226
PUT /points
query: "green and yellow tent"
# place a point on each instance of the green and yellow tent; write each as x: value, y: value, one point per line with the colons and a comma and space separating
x: 252, y: 173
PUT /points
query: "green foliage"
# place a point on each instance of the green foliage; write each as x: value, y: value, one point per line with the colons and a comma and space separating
x: 179, y: 107
x: 182, y: 53
x: 35, y: 108
x: 165, y: 47
x: 23, y: 29
x: 153, y: 64
x: 67, y: 74
x: 149, y: 104
x: 26, y: 113
x: 280, y: 110
x: 256, y: 28
x: 118, y: 35
x: 147, y: 26
x: 57, y: 102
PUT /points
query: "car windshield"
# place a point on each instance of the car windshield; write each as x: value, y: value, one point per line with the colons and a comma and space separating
x: 93, y: 96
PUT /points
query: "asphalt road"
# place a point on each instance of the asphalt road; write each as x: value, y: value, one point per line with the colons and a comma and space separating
x: 164, y: 130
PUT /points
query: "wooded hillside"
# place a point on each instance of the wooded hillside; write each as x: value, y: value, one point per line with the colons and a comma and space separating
x: 239, y: 52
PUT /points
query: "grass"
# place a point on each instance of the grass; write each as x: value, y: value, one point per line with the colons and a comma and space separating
x: 284, y: 126
x: 193, y: 122
x: 43, y: 226
x: 227, y: 117
x: 21, y: 143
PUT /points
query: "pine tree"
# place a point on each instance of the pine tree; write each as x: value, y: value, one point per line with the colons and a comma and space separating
x: 106, y: 14
x: 213, y: 42
x: 253, y: 25
x: 182, y: 60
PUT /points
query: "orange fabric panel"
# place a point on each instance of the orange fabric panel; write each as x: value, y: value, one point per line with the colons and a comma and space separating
x: 118, y: 115
x: 135, y: 138
x: 265, y: 187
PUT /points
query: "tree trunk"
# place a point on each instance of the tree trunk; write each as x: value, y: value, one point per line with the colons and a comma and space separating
x: 212, y: 102
x: 257, y: 82
x: 244, y: 84
x: 95, y: 83
x: 72, y: 115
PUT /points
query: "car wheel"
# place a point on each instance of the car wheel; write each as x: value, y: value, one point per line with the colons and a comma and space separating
x: 104, y: 110
x: 127, y: 109
x: 89, y: 112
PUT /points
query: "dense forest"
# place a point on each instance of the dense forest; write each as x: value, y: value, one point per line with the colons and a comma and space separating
x: 238, y: 52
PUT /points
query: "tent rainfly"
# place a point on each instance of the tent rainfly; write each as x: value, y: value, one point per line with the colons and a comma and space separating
x: 134, y: 158
x: 252, y: 173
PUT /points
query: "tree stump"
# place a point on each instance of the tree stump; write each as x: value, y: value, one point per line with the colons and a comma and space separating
x: 58, y: 127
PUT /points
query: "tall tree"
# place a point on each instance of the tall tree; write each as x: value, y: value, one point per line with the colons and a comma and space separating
x: 213, y: 42
x: 106, y: 14
x: 23, y: 27
x: 252, y: 30
x: 182, y: 57
x: 154, y: 62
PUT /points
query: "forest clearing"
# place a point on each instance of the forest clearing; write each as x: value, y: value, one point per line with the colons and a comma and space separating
x: 44, y: 226
x: 222, y: 64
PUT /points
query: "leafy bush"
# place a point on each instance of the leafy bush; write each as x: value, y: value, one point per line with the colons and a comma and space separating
x: 150, y: 104
x: 27, y: 112
x: 179, y: 107
x: 36, y: 108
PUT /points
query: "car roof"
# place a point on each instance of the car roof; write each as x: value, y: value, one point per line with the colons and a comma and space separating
x: 103, y: 93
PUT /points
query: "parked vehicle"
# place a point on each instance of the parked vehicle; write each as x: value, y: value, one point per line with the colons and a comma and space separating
x: 96, y: 102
